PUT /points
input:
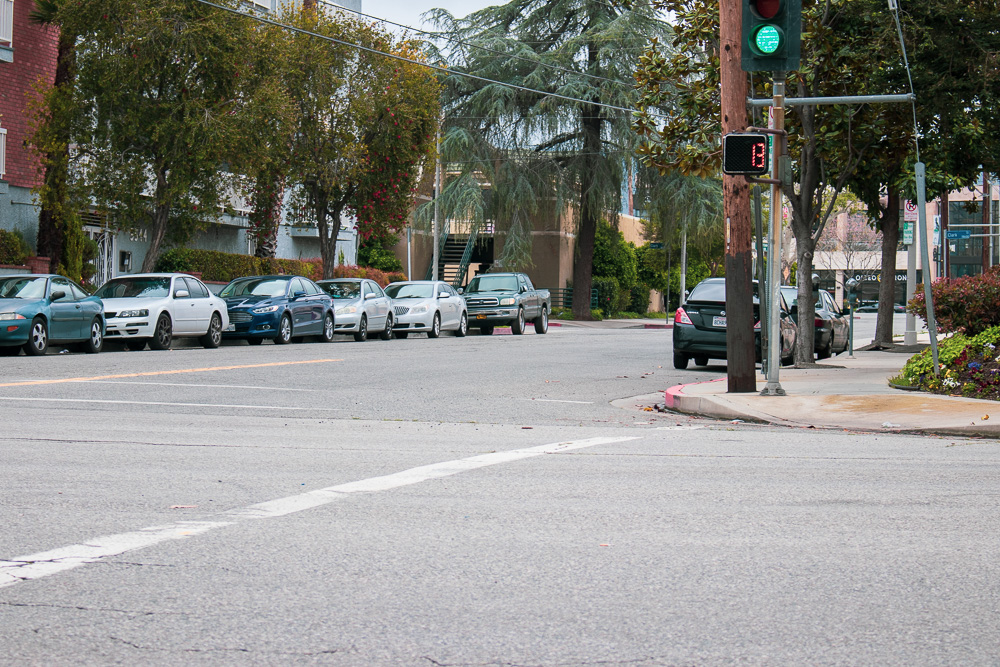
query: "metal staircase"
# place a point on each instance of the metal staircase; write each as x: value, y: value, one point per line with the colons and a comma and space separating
x: 454, y: 258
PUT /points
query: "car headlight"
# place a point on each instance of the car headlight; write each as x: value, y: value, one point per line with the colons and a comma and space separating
x: 507, y: 302
x: 266, y: 309
x: 346, y: 310
x: 137, y: 312
x: 418, y: 310
x: 12, y: 316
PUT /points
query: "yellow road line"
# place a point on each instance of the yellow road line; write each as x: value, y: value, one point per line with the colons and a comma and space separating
x: 173, y: 372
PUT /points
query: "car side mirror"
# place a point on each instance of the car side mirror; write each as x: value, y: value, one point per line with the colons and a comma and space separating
x: 181, y: 294
x: 443, y: 295
x: 298, y: 295
x: 370, y: 295
x: 461, y: 290
x: 58, y: 295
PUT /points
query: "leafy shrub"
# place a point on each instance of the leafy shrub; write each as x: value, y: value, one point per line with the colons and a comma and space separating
x: 969, y: 304
x: 609, y: 295
x: 614, y: 257
x: 381, y: 277
x: 968, y: 367
x: 217, y: 266
x: 376, y: 255
x: 638, y: 299
x: 13, y: 248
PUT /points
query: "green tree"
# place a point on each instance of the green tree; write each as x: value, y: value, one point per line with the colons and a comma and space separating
x: 533, y: 152
x: 159, y: 111
x: 364, y: 125
x: 614, y: 257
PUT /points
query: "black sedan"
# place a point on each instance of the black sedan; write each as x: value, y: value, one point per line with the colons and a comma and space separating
x: 278, y: 308
x: 699, y: 330
x: 831, y: 322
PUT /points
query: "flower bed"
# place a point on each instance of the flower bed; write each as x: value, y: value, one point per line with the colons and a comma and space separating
x: 969, y: 366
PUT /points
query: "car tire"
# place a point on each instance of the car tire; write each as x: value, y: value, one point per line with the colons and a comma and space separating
x: 328, y: 328
x: 213, y: 338
x: 401, y: 334
x: 542, y: 321
x: 163, y: 334
x: 255, y: 341
x: 463, y: 326
x: 517, y: 326
x: 362, y: 334
x: 486, y: 330
x: 284, y: 336
x: 38, y: 338
x: 136, y: 344
x: 435, y: 326
x: 825, y: 352
x: 386, y: 334
x: 95, y: 343
x: 700, y: 361
x: 680, y: 361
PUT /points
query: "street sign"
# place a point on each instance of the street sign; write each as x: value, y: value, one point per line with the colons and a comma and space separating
x: 656, y: 246
x: 909, y: 211
x: 745, y: 153
x: 957, y: 234
x: 908, y: 233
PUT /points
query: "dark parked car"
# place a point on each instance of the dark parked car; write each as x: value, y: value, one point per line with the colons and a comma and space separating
x: 36, y: 310
x: 277, y: 307
x: 831, y: 323
x: 700, y: 326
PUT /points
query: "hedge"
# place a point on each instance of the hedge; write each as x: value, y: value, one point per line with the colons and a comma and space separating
x: 970, y: 304
x: 13, y: 248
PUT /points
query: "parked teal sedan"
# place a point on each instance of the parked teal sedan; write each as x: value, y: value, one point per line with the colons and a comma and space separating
x: 36, y: 310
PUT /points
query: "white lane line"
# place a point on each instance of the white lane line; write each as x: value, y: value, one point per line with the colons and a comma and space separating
x: 36, y: 566
x: 180, y: 405
x: 556, y: 400
x: 186, y: 384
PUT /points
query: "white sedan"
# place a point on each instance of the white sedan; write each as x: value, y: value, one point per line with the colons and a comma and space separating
x: 427, y: 306
x: 155, y: 308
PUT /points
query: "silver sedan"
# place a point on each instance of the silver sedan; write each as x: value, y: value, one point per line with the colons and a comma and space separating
x: 427, y: 306
x: 360, y: 307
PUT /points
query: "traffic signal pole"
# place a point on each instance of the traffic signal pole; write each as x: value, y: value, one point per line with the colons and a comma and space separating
x: 773, y: 386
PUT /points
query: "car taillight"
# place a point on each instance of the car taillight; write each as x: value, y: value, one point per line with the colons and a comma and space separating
x: 819, y: 324
x: 680, y: 317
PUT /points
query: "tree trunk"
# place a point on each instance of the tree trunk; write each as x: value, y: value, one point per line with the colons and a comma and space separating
x: 887, y: 286
x: 328, y: 223
x: 583, y: 269
x: 268, y: 196
x: 806, y: 336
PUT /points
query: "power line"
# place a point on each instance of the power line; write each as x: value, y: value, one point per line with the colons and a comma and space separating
x: 437, y: 68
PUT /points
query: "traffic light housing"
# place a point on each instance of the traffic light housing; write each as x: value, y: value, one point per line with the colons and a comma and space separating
x: 745, y: 153
x: 772, y: 35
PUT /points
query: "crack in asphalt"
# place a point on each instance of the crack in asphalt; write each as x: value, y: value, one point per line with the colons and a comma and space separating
x: 650, y: 660
x: 48, y: 605
x: 140, y: 647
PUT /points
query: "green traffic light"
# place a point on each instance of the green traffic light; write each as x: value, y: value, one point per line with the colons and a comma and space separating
x: 767, y: 39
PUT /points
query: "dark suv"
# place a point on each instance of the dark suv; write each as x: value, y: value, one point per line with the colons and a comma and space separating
x: 700, y: 326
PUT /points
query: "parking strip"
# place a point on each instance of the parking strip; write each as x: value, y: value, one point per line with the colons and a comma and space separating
x: 36, y: 566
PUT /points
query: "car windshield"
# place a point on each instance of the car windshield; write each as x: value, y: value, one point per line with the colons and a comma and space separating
x: 145, y: 286
x: 256, y: 287
x: 346, y: 290
x: 22, y: 288
x: 492, y: 284
x: 421, y: 291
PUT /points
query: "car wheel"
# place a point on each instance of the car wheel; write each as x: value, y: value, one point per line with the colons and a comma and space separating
x: 213, y: 338
x: 284, y: 336
x: 401, y: 334
x: 255, y: 341
x: 463, y: 326
x: 163, y: 334
x: 486, y: 330
x: 542, y: 321
x: 362, y: 334
x: 517, y: 326
x: 386, y: 334
x: 136, y: 344
x: 825, y: 352
x: 435, y: 326
x: 680, y: 361
x: 38, y: 338
x: 95, y: 343
x: 327, y: 336
x: 701, y: 361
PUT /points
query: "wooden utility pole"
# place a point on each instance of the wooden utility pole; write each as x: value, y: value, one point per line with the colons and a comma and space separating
x: 736, y: 206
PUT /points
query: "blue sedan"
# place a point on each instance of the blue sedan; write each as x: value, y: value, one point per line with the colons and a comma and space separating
x: 36, y: 310
x: 277, y: 307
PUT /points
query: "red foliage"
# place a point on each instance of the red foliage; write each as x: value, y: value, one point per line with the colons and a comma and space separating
x: 969, y: 304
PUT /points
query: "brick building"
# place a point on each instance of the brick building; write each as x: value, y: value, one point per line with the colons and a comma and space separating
x: 27, y: 57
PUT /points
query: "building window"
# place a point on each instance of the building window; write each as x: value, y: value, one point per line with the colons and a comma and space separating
x: 6, y: 21
x: 3, y: 152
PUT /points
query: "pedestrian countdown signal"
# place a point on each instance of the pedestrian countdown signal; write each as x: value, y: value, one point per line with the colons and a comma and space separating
x: 745, y: 153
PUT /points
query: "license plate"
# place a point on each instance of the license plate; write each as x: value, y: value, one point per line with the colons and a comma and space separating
x: 719, y: 322
x: 231, y: 327
x: 480, y: 317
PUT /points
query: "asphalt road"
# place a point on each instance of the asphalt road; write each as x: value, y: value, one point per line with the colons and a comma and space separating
x: 481, y: 501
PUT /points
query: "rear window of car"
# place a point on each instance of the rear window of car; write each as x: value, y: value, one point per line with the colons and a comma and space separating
x: 714, y: 291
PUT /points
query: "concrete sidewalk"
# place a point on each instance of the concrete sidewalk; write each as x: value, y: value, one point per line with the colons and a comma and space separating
x: 614, y: 324
x: 848, y: 393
